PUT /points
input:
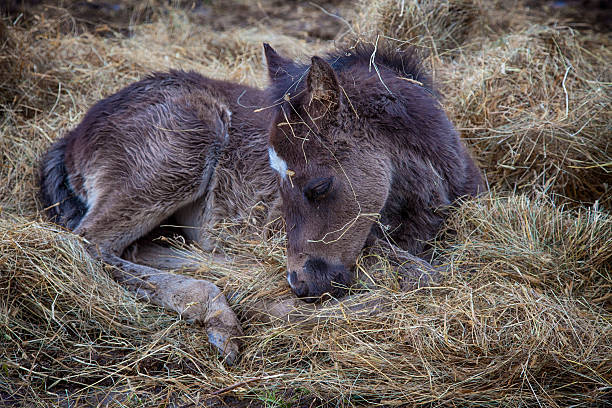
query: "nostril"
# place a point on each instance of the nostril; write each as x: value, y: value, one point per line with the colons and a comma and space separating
x: 300, y: 289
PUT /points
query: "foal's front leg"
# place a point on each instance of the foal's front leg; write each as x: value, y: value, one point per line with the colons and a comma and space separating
x: 413, y: 272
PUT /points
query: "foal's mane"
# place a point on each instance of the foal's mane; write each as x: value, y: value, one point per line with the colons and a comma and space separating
x: 406, y: 63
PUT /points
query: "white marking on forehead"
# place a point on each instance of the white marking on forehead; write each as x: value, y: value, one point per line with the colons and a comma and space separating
x: 277, y: 163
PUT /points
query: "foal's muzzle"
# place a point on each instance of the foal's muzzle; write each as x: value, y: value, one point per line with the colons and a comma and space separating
x: 317, y: 278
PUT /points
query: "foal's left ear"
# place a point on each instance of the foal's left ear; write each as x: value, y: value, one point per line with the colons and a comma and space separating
x: 276, y: 64
x: 322, y: 85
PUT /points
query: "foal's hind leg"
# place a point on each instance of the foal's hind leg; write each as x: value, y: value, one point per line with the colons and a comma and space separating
x: 127, y: 203
x: 194, y: 299
x: 168, y: 258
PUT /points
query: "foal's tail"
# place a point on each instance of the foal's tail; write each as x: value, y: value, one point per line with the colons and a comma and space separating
x: 60, y: 202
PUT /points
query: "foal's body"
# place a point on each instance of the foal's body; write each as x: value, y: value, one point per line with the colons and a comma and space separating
x: 350, y: 157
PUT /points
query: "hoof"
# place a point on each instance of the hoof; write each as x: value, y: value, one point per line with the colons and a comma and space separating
x: 225, y: 343
x: 418, y: 273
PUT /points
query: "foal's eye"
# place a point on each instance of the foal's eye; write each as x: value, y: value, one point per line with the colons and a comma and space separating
x: 318, y: 188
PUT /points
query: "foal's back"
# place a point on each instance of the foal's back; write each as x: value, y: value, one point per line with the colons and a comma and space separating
x: 175, y: 123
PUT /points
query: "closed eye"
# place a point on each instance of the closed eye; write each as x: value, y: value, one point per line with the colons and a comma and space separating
x: 319, y: 188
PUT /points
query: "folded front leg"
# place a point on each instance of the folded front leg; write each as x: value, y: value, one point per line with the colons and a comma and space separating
x: 295, y: 311
x: 412, y: 271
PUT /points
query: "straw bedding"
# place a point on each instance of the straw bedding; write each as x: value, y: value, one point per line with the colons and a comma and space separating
x: 522, y: 318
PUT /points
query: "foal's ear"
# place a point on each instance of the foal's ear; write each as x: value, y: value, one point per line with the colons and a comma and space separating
x: 322, y: 86
x: 276, y: 63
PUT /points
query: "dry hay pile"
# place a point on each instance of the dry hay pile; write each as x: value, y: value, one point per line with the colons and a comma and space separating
x: 520, y: 320
x: 536, y: 106
x: 524, y: 315
x: 440, y: 25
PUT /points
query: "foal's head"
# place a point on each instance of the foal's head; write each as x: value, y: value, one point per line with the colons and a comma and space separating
x: 333, y: 164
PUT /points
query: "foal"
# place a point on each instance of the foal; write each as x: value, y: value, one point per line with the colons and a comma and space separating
x: 353, y: 150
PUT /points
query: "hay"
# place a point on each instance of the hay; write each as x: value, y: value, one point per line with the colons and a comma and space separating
x: 524, y: 316
x: 66, y: 326
x: 502, y: 324
x: 537, y: 244
x: 536, y: 108
x: 439, y: 26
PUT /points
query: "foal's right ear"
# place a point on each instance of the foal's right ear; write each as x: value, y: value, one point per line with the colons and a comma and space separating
x: 276, y: 63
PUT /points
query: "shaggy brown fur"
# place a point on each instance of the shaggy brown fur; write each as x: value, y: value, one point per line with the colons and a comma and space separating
x: 356, y: 151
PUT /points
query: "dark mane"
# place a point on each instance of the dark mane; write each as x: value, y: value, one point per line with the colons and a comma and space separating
x: 406, y: 63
